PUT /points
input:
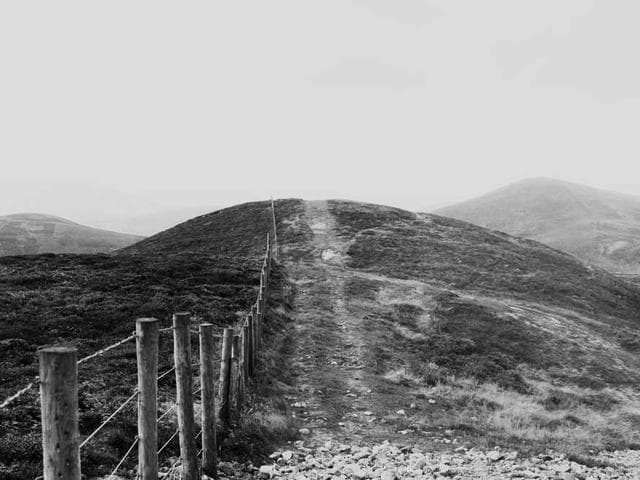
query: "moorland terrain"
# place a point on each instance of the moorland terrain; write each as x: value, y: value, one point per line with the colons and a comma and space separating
x: 597, y: 226
x: 417, y: 329
x: 33, y: 233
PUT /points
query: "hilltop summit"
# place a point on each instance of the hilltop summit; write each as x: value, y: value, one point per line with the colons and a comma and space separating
x: 598, y: 226
x: 34, y: 233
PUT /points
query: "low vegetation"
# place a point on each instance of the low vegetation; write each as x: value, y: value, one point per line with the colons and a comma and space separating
x: 208, y: 267
x: 473, y: 334
x: 31, y: 233
x: 514, y: 342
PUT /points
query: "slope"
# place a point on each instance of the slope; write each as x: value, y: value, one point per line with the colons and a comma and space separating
x: 33, y: 233
x: 209, y: 266
x: 426, y: 330
x: 597, y: 226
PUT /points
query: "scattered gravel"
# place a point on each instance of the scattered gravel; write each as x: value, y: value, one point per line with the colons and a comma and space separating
x: 390, y: 462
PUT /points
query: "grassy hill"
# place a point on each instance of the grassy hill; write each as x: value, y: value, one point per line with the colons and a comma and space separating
x: 33, y: 233
x: 599, y: 227
x: 208, y: 266
x: 516, y: 341
x: 499, y: 296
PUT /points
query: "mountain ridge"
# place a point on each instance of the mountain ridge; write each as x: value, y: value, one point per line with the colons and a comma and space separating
x: 598, y: 226
x: 35, y: 233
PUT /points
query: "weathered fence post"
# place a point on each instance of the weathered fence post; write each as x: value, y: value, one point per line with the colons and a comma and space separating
x: 225, y: 377
x: 186, y: 422
x: 245, y: 350
x: 251, y: 345
x: 263, y: 273
x: 275, y: 230
x: 147, y: 356
x: 59, y: 406
x: 255, y: 334
x: 235, y: 390
x: 207, y: 376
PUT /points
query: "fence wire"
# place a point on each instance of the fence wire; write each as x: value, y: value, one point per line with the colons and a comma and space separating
x: 36, y: 379
x: 111, y: 417
x: 124, y: 458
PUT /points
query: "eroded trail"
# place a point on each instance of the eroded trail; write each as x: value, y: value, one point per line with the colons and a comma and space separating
x: 362, y: 410
x: 334, y: 399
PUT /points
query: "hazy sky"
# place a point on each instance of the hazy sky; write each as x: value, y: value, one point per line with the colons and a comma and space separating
x: 406, y: 102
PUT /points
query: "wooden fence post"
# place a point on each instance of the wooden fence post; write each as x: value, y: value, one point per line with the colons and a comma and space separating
x: 245, y: 350
x: 275, y: 231
x: 225, y: 377
x: 257, y: 316
x: 262, y: 299
x: 235, y: 390
x: 147, y: 356
x: 265, y: 269
x: 59, y: 406
x: 251, y: 345
x: 186, y: 422
x: 207, y: 377
x: 255, y: 334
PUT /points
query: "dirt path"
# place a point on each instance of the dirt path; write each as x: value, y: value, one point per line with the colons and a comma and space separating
x: 334, y: 400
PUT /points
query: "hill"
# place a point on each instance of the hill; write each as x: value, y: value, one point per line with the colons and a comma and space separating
x: 208, y: 266
x: 598, y: 226
x: 386, y: 325
x: 34, y: 233
x: 422, y: 329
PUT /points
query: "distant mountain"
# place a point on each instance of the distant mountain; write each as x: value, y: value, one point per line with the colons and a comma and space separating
x: 32, y: 233
x: 597, y: 226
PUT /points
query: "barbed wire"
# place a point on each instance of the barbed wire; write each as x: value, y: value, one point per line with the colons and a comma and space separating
x: 109, y: 418
x: 106, y: 349
x: 111, y: 475
x: 166, y: 444
x: 167, y: 412
x: 36, y: 379
x: 166, y: 373
x: 20, y: 392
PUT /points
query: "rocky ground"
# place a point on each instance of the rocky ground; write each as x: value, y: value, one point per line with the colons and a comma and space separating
x: 388, y: 462
x: 346, y: 432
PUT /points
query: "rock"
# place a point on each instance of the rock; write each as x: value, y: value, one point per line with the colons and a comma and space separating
x: 495, y: 456
x: 400, y: 412
x: 358, y: 473
x: 388, y: 475
x: 287, y: 455
x: 266, y: 470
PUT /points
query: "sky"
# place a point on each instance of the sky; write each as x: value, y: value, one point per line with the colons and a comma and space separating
x: 126, y: 107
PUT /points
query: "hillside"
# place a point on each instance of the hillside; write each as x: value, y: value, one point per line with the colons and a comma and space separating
x: 90, y: 301
x: 489, y: 337
x: 599, y: 227
x: 33, y: 233
x: 386, y: 325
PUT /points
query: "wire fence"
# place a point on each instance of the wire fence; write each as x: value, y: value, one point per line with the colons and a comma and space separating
x: 236, y: 359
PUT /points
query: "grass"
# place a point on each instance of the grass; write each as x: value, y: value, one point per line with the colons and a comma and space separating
x: 535, y: 421
x: 557, y: 371
x: 208, y: 266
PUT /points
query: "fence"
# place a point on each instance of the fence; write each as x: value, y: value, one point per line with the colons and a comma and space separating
x: 239, y: 347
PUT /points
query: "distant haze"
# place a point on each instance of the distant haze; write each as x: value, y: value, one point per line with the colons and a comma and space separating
x: 413, y: 104
x: 597, y: 226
